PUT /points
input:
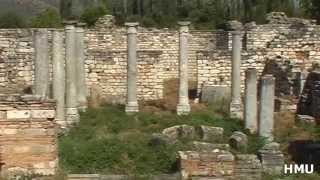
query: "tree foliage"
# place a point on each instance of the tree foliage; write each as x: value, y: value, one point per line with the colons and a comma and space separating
x: 92, y: 14
x: 312, y: 8
x: 48, y: 18
x: 12, y: 20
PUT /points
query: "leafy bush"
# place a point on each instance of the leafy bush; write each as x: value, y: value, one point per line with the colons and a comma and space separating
x: 92, y: 14
x: 12, y: 20
x: 50, y: 18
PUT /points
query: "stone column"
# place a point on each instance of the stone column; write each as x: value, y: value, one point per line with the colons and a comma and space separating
x: 250, y: 110
x: 132, y: 105
x: 266, y: 116
x: 41, y: 83
x: 72, y: 115
x: 81, y: 72
x: 236, y: 106
x: 58, y: 76
x: 183, y: 107
x: 303, y: 79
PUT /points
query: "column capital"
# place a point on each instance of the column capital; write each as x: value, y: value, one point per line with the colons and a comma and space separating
x: 184, y: 26
x: 131, y: 27
x: 80, y: 27
x: 236, y: 32
x: 69, y: 25
x: 41, y: 30
x: 251, y: 69
x: 268, y: 77
x: 184, y: 23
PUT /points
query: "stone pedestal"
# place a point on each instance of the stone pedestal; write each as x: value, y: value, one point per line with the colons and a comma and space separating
x: 236, y: 106
x: 41, y: 83
x: 183, y: 107
x: 250, y: 110
x: 81, y: 73
x: 132, y: 105
x: 266, y: 115
x: 58, y: 77
x: 72, y: 115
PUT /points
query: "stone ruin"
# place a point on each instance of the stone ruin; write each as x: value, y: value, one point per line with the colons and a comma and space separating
x: 130, y: 64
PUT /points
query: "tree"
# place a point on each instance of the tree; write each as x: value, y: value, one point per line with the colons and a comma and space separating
x: 50, y: 18
x: 92, y: 14
x: 12, y: 20
x: 312, y: 8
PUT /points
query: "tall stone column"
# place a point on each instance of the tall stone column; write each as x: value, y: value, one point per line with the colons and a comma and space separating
x: 266, y: 116
x: 250, y: 110
x: 41, y: 83
x: 236, y: 106
x: 183, y: 102
x: 81, y: 73
x: 58, y: 76
x: 72, y: 115
x: 132, y: 105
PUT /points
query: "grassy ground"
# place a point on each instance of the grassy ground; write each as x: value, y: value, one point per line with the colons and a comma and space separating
x: 110, y: 142
x: 107, y: 141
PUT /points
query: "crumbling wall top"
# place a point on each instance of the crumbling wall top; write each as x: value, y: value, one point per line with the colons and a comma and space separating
x: 105, y: 22
x: 282, y: 18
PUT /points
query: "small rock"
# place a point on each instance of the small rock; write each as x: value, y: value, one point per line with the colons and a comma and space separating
x: 306, y: 118
x: 160, y: 139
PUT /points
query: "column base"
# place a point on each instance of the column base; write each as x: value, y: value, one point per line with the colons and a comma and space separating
x: 132, y: 107
x: 236, y: 109
x: 82, y: 108
x: 72, y: 116
x: 183, y: 109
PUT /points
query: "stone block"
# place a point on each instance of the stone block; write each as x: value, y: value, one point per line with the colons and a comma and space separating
x: 43, y: 114
x: 215, y: 94
x: 202, y: 146
x: 180, y: 131
x: 18, y: 114
x: 3, y: 115
x: 84, y: 177
x: 238, y: 140
x: 210, y: 134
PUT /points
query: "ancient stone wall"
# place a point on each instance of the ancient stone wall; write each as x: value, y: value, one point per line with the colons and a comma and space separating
x: 295, y: 40
x: 28, y: 140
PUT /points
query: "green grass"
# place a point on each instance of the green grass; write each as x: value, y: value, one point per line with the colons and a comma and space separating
x: 108, y: 141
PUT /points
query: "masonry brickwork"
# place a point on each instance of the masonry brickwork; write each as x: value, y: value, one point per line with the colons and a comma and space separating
x: 28, y: 141
x: 293, y: 39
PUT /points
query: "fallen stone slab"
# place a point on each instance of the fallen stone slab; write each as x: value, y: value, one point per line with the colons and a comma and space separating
x: 203, y: 146
x: 210, y: 133
x: 180, y: 132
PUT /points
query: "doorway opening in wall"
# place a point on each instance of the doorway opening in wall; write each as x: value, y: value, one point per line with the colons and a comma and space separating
x: 193, y: 92
x: 170, y: 96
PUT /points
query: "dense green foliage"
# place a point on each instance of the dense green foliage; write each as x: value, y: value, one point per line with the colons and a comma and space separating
x: 11, y: 20
x: 108, y: 141
x: 204, y: 14
x: 47, y: 18
x: 91, y: 14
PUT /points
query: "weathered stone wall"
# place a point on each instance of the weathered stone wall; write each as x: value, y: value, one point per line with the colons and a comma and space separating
x: 209, y: 55
x: 27, y: 135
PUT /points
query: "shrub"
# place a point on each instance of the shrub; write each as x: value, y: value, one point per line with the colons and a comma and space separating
x: 50, y: 18
x: 92, y: 14
x: 12, y: 20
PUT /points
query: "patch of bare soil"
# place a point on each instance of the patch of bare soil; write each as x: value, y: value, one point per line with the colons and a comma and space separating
x: 170, y: 98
